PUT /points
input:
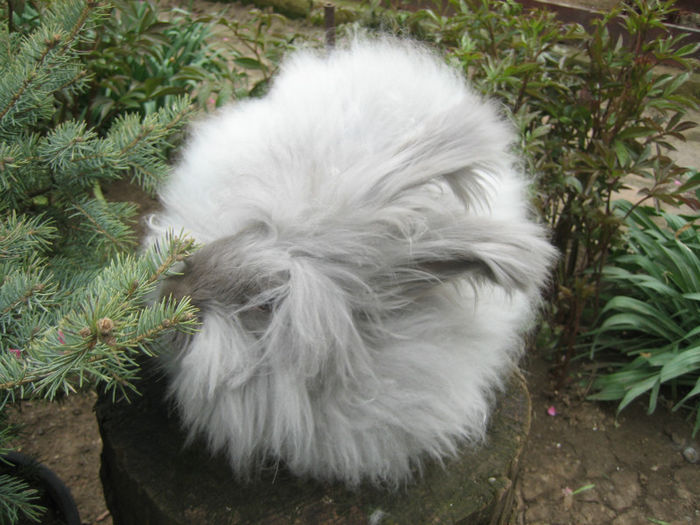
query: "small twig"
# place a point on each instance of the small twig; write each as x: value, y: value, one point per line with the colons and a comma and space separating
x: 329, y: 19
x: 10, y: 15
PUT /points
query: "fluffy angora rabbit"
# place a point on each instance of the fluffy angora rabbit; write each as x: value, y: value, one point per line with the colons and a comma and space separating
x: 368, y: 266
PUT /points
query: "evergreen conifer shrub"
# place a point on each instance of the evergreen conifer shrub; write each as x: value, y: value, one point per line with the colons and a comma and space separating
x: 72, y: 292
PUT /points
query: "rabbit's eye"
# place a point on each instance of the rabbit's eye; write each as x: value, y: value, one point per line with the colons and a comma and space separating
x: 255, y: 318
x: 265, y: 308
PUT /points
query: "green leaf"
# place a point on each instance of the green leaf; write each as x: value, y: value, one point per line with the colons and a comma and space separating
x: 651, y: 285
x: 691, y: 184
x: 249, y: 63
x: 693, y: 392
x: 642, y: 316
x: 637, y: 390
x: 686, y: 362
x: 693, y: 333
x: 623, y: 154
x: 574, y: 183
x: 686, y: 266
x: 634, y: 132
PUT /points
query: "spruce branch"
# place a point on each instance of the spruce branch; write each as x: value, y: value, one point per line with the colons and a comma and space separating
x: 138, y: 139
x: 42, y: 64
x: 32, y: 75
x: 74, y: 84
x: 27, y: 291
x: 107, y: 224
x: 99, y: 339
x: 20, y: 174
x: 76, y: 305
x: 21, y: 236
x: 17, y: 498
x: 75, y: 17
x: 101, y: 356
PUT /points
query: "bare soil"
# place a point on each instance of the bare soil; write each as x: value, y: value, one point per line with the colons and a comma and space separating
x: 587, y: 465
x: 583, y: 464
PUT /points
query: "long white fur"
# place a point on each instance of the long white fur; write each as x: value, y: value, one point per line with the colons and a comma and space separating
x: 369, y: 267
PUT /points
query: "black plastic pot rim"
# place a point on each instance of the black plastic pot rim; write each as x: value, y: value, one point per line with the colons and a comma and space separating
x: 55, y: 488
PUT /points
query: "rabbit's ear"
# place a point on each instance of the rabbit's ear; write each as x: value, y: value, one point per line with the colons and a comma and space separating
x: 465, y: 146
x: 513, y: 255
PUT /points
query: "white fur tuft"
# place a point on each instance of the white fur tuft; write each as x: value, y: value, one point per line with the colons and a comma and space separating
x: 368, y: 269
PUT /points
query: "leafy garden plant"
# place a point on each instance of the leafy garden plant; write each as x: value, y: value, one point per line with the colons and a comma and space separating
x: 142, y: 61
x: 648, y: 336
x: 592, y: 108
x: 595, y: 107
x: 145, y: 56
x: 256, y: 46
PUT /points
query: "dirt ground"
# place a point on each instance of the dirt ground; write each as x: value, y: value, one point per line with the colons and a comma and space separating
x: 582, y: 465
